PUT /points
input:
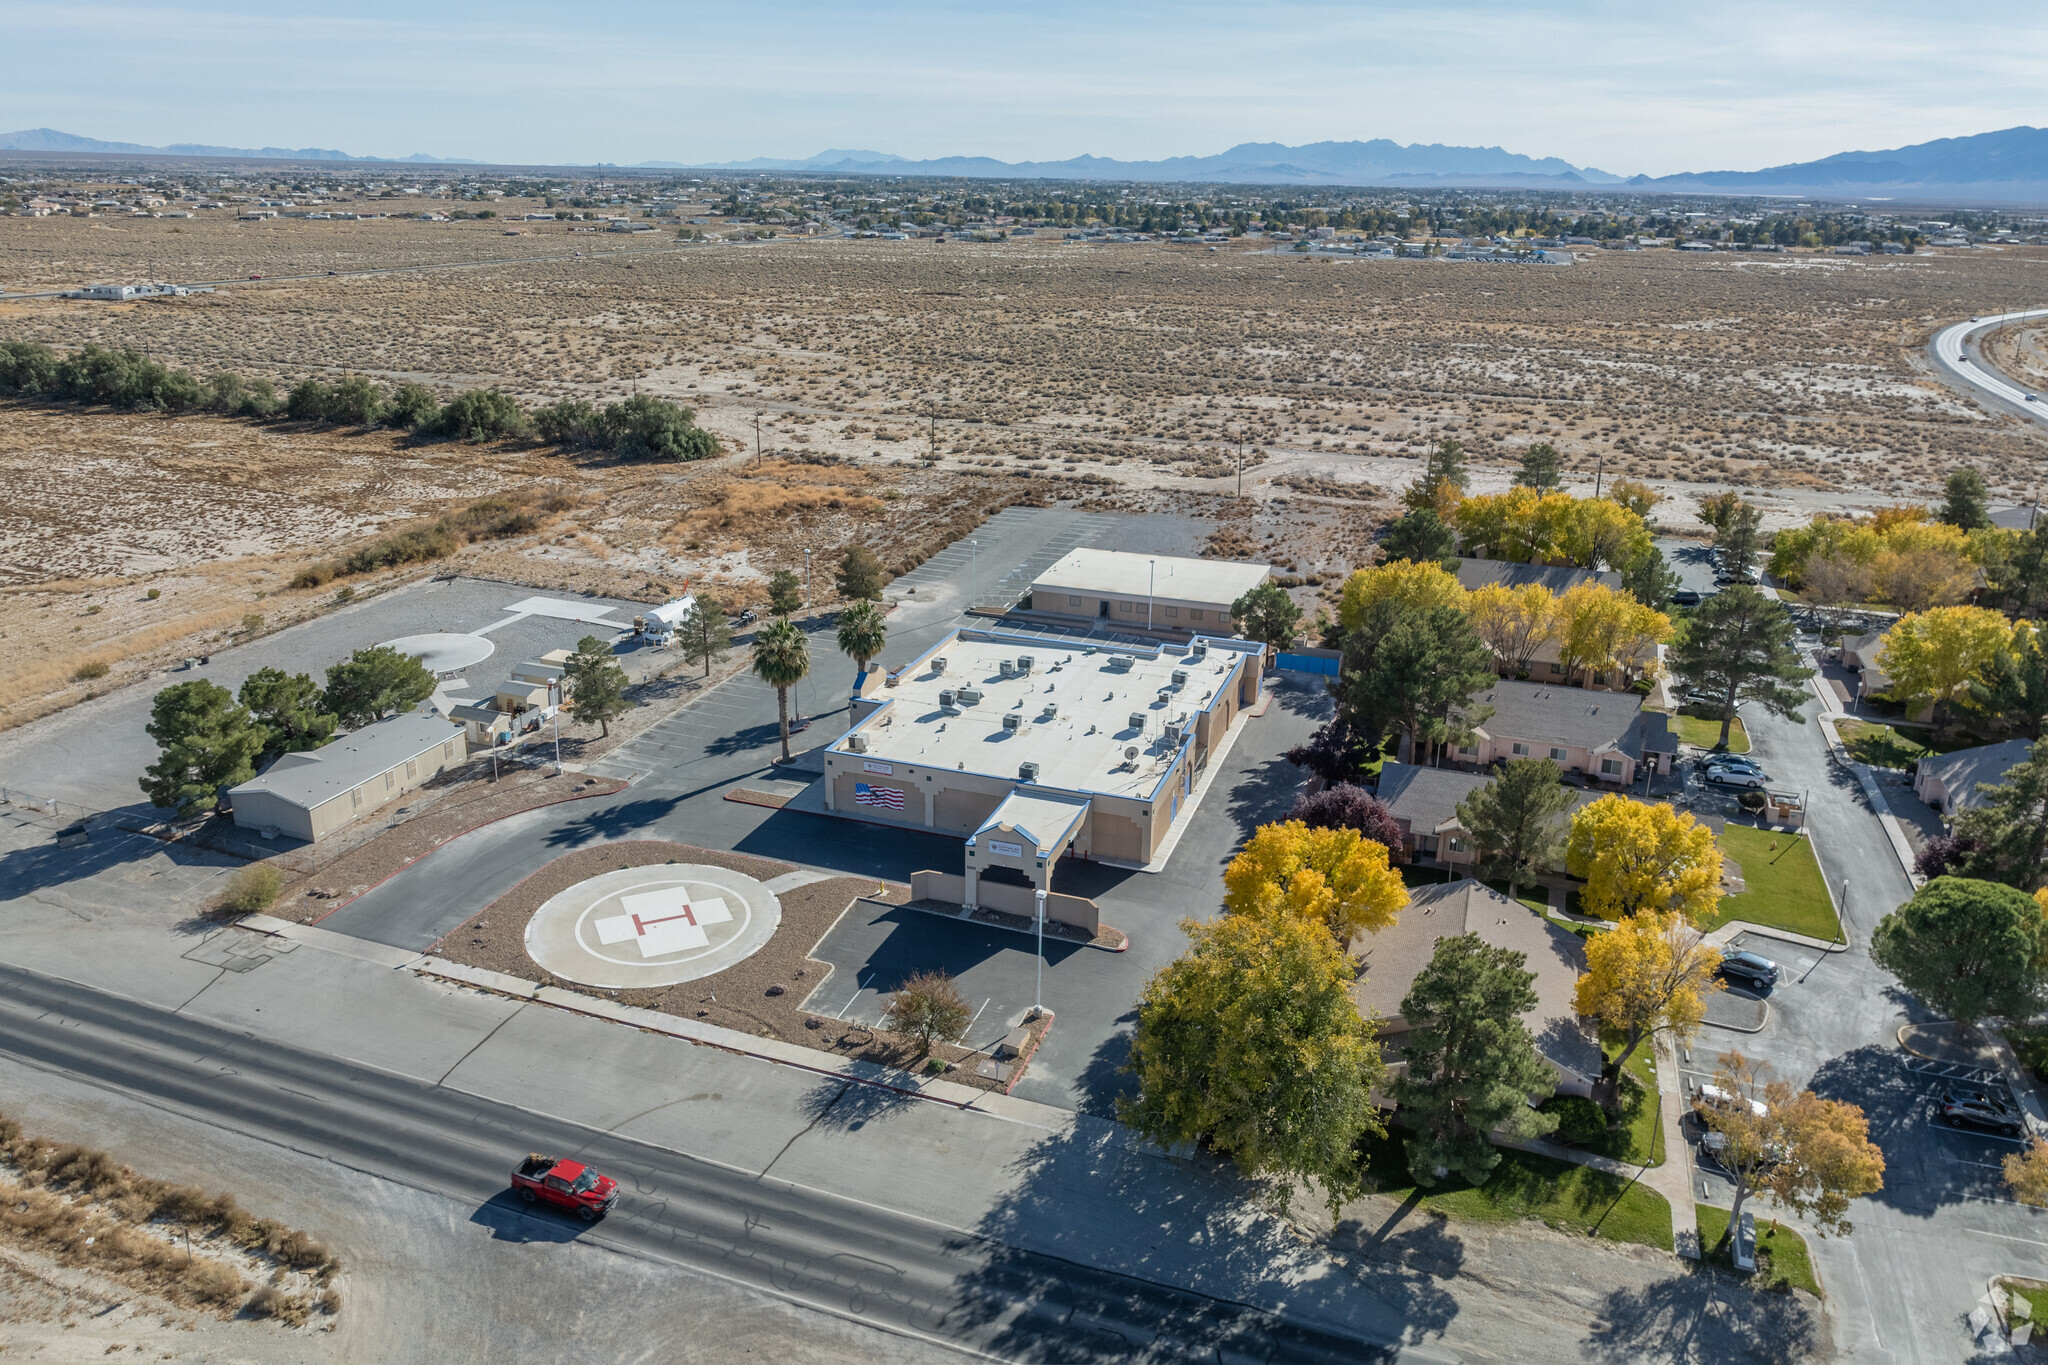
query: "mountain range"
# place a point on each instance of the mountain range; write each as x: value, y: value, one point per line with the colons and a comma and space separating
x: 2007, y: 166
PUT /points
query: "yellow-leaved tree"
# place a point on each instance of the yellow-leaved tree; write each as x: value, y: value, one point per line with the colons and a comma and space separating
x: 1636, y: 857
x: 1514, y: 622
x: 1418, y: 584
x: 2026, y: 1174
x: 1599, y: 533
x: 1598, y: 629
x: 1935, y: 655
x: 1649, y: 974
x: 1332, y: 877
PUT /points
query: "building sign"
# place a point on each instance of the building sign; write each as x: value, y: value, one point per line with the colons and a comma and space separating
x: 663, y: 922
x: 885, y: 769
x: 1006, y: 849
x: 888, y: 798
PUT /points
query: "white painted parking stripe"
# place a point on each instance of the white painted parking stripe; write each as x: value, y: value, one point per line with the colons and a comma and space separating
x: 2032, y: 1241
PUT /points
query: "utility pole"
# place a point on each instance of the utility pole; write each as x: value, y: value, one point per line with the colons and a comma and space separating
x: 932, y: 437
x: 757, y: 438
x: 1598, y: 470
x: 1240, y: 462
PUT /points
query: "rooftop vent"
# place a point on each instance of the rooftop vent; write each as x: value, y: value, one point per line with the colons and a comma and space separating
x: 1027, y: 772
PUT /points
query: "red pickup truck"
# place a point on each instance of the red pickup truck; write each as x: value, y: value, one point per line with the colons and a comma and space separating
x: 567, y: 1185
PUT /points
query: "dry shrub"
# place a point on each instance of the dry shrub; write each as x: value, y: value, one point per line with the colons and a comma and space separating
x: 252, y: 889
x: 212, y: 1283
x: 272, y: 1302
x: 329, y: 1300
x: 758, y: 507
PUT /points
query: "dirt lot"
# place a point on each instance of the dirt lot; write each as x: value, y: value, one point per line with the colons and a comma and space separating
x: 904, y: 390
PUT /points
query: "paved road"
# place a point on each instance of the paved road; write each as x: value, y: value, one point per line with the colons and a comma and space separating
x: 1959, y: 361
x: 1902, y: 1285
x: 832, y: 1253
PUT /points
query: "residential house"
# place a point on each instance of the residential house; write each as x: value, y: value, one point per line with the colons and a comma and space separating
x: 1424, y: 803
x: 1392, y: 958
x: 1544, y: 664
x: 1949, y: 782
x: 1605, y: 738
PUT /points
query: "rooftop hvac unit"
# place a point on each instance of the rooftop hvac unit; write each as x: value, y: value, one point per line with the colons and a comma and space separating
x: 948, y: 701
x: 1200, y: 649
x: 1027, y: 772
x: 1173, y: 732
x: 1007, y: 669
x: 969, y: 696
x: 1180, y: 677
x: 1137, y: 720
x: 939, y: 664
x: 1166, y: 694
x: 857, y: 743
x: 1120, y: 663
x: 1052, y: 709
x: 1013, y: 722
x: 1024, y: 662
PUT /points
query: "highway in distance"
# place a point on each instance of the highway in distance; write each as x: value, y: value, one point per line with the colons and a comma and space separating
x: 837, y: 1255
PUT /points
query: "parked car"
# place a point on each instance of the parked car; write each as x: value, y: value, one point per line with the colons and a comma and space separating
x: 1978, y: 1109
x: 1745, y: 765
x: 1753, y: 968
x: 568, y: 1185
x: 1723, y: 776
x: 1685, y: 597
x: 1712, y: 1097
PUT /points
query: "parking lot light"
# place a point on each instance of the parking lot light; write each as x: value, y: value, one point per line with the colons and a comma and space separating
x: 1038, y: 1001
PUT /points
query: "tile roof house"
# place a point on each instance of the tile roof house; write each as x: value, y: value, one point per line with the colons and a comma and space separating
x: 1949, y: 782
x: 1424, y: 802
x: 1605, y: 736
x: 1545, y: 664
x: 1396, y: 955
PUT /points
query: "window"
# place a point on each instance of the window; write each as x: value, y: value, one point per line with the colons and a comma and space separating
x: 1457, y: 844
x: 1223, y: 619
x: 1194, y: 613
x: 1558, y: 754
x: 1521, y: 750
x: 1610, y: 767
x: 411, y: 769
x: 390, y: 779
x: 1073, y: 601
x: 1124, y: 607
x: 1557, y: 668
x: 1471, y: 750
x: 1170, y: 611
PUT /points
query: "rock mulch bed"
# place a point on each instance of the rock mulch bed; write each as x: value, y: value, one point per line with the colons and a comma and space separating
x: 761, y: 995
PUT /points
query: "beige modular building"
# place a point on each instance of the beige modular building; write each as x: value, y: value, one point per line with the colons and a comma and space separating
x: 1161, y: 592
x: 1028, y: 748
x: 310, y: 795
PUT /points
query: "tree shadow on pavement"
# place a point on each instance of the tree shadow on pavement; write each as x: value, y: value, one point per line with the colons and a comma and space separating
x: 849, y: 1106
x: 1107, y: 1250
x: 1699, y: 1315
x: 612, y: 822
x: 1104, y: 1078
x: 1919, y: 1173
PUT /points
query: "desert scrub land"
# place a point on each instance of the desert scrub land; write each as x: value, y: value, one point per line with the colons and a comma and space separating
x: 896, y: 393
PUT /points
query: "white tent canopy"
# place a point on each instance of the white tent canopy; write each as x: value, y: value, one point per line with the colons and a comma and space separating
x: 676, y: 612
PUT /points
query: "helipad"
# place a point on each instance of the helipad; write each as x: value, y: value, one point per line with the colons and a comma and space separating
x: 652, y: 926
x: 444, y: 653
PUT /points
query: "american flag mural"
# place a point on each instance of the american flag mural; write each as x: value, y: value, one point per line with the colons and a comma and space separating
x: 888, y: 798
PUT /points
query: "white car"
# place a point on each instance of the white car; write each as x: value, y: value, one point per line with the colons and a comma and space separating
x: 1733, y: 777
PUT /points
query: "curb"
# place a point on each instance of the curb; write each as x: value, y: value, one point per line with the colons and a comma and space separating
x: 561, y: 800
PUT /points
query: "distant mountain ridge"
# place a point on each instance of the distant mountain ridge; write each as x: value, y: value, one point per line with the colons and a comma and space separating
x: 2010, y: 164
x: 50, y: 140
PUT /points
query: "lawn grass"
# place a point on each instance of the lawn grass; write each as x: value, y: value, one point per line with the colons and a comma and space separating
x: 1639, y: 1138
x: 1536, y: 899
x: 1563, y: 1196
x: 2036, y: 1295
x: 1411, y: 875
x: 1788, y: 1267
x: 1705, y: 734
x: 1885, y: 746
x: 2030, y: 1045
x: 1785, y: 886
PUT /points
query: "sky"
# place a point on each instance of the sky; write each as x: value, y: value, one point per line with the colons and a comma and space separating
x: 1626, y: 87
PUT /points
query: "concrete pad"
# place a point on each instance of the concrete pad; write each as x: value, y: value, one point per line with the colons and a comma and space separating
x: 444, y: 653
x: 652, y: 926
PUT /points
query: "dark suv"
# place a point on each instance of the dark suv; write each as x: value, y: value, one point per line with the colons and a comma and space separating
x: 1753, y: 969
x: 1976, y: 1109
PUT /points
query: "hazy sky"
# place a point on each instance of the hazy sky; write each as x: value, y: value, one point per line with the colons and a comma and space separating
x: 1627, y: 87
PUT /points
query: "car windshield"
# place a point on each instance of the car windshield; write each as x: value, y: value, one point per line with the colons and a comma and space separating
x: 585, y: 1183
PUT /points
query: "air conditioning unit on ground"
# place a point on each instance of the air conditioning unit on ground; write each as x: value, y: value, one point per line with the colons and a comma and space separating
x: 969, y: 696
x: 1013, y: 722
x: 857, y: 743
x: 1137, y: 720
x: 1027, y: 772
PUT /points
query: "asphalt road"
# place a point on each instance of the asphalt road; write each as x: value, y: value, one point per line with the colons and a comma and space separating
x: 1958, y: 360
x: 831, y: 1253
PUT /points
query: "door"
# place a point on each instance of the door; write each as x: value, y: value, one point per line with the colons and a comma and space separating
x: 1104, y: 609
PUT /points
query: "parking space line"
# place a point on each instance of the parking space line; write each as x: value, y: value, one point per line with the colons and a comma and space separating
x: 2032, y: 1241
x: 859, y: 985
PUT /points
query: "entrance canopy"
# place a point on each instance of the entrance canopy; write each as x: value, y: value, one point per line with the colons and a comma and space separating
x: 1028, y: 831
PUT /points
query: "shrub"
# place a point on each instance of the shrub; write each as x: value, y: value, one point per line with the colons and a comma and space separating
x: 411, y: 407
x: 211, y: 1282
x: 355, y: 401
x: 481, y: 415
x: 27, y: 368
x: 644, y: 427
x: 253, y: 888
x: 1579, y: 1120
x: 309, y: 401
x: 260, y: 400
x: 571, y: 422
x: 927, y: 1008
x: 154, y: 593
x: 1346, y: 805
x: 90, y: 669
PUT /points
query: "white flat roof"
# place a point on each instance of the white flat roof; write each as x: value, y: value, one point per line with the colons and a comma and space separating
x: 1079, y: 746
x: 1121, y: 574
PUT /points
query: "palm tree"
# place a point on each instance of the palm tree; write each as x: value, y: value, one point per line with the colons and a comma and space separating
x: 862, y: 633
x: 782, y: 658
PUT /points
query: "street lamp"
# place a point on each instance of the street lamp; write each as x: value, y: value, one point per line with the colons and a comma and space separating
x: 973, y: 573
x: 1038, y: 1004
x: 1151, y: 582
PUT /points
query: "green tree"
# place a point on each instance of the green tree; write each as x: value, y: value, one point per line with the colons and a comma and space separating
x: 2014, y: 694
x: 1649, y: 580
x: 1542, y: 468
x: 1421, y: 536
x: 412, y: 407
x: 1737, y: 646
x: 785, y: 592
x: 1516, y: 821
x: 1414, y: 669
x: 2008, y: 833
x: 782, y: 658
x: 570, y: 422
x: 1966, y: 502
x: 649, y: 428
x: 1719, y: 510
x: 206, y: 741
x: 1739, y: 538
x: 1250, y: 1042
x: 1267, y: 614
x: 309, y: 401
x: 863, y: 633
x: 373, y: 682
x: 1443, y: 479
x: 928, y: 1008
x: 289, y: 708
x: 706, y: 636
x: 1472, y: 1067
x: 1970, y: 949
x: 597, y: 683
x: 860, y: 576
x: 355, y: 401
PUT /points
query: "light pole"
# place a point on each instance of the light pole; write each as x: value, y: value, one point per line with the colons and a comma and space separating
x: 1151, y: 582
x: 973, y: 573
x: 1038, y: 1000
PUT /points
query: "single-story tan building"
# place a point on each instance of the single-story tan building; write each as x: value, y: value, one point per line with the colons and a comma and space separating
x: 1158, y: 592
x: 310, y: 795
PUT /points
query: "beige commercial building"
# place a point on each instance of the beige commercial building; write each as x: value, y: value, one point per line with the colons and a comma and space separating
x: 1028, y: 749
x: 1159, y: 592
x: 310, y: 795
